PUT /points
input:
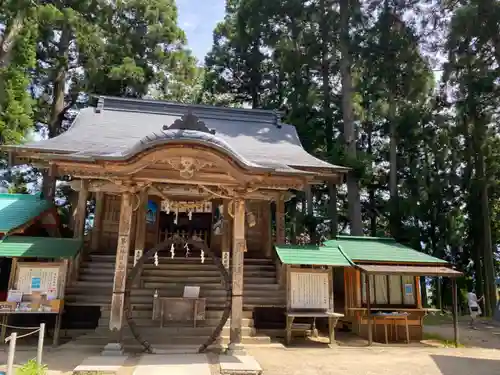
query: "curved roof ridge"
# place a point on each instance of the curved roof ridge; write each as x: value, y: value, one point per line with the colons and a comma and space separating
x: 202, y: 110
x: 253, y: 136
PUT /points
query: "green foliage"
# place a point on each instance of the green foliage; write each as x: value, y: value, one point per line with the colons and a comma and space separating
x: 441, y: 141
x: 15, y: 102
x: 315, y: 61
x: 32, y: 368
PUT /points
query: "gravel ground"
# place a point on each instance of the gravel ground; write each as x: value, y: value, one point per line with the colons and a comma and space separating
x: 486, y: 335
x: 352, y: 357
x: 378, y: 361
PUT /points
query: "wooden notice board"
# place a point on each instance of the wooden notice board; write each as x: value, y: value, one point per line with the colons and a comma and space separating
x: 310, y: 289
x: 40, y: 277
x: 35, y: 288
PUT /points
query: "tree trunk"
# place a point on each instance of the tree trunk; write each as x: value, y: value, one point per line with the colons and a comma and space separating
x: 325, y: 7
x: 393, y: 177
x: 9, y: 38
x: 354, y: 202
x: 332, y: 190
x: 439, y: 294
x: 371, y: 187
x: 487, y: 247
x: 423, y: 291
x: 58, y: 105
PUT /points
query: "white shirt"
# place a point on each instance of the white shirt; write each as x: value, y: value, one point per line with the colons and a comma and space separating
x: 472, y: 300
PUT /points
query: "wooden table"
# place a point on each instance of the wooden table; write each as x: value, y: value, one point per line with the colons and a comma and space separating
x: 393, y: 318
x: 363, y: 311
x: 333, y: 317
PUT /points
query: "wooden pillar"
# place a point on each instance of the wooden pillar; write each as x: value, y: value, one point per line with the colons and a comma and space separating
x: 98, y: 219
x: 122, y: 254
x: 226, y: 235
x: 280, y: 220
x: 140, y: 226
x: 418, y: 292
x: 237, y: 274
x: 280, y: 237
x: 266, y: 228
x: 309, y: 199
x: 455, y: 311
x: 369, y: 310
x: 80, y: 212
x: 73, y: 202
x: 49, y: 183
x: 79, y: 216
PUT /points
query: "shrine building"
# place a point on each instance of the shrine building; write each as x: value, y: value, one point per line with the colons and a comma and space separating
x: 185, y: 245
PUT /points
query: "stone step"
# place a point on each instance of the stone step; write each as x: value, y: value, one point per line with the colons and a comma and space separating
x: 193, y: 280
x: 180, y: 259
x: 148, y: 322
x: 249, y: 286
x: 158, y: 342
x: 175, y: 273
x: 178, y: 286
x: 214, y: 315
x: 148, y: 300
x: 164, y: 290
x: 105, y: 302
x: 179, y: 267
x: 155, y: 331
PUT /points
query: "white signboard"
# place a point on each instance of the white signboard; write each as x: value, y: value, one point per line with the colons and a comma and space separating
x: 191, y: 292
x: 38, y: 279
x: 309, y: 290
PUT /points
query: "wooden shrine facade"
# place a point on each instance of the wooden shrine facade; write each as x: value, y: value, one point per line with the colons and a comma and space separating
x: 133, y: 155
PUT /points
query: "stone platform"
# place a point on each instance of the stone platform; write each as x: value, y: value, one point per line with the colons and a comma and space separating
x: 172, y: 364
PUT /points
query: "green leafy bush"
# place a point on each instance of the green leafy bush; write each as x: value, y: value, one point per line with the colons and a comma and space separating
x: 32, y: 368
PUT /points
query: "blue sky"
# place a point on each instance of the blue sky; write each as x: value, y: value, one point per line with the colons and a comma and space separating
x: 198, y: 18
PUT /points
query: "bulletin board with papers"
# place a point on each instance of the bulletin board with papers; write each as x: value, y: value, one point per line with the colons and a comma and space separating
x: 39, y: 278
x: 310, y: 289
x: 35, y: 288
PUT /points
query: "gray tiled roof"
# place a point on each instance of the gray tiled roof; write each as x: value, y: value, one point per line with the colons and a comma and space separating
x: 126, y: 126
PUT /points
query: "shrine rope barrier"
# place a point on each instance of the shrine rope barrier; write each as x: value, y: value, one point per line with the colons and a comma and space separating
x: 12, y: 340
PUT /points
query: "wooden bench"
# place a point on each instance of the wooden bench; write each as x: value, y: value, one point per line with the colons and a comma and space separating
x: 333, y: 318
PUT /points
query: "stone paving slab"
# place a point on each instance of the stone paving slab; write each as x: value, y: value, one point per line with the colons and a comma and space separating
x: 173, y: 364
x: 101, y: 364
x: 239, y: 364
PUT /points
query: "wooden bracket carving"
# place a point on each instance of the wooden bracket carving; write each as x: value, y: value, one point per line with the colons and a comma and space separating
x: 187, y: 166
x: 189, y: 122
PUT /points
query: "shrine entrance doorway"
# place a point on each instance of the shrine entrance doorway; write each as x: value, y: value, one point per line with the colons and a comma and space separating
x: 185, y: 219
x: 169, y: 249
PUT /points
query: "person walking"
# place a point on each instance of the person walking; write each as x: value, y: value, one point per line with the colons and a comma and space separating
x: 474, y: 308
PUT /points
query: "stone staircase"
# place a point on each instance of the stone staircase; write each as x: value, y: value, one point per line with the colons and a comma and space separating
x: 95, y: 283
